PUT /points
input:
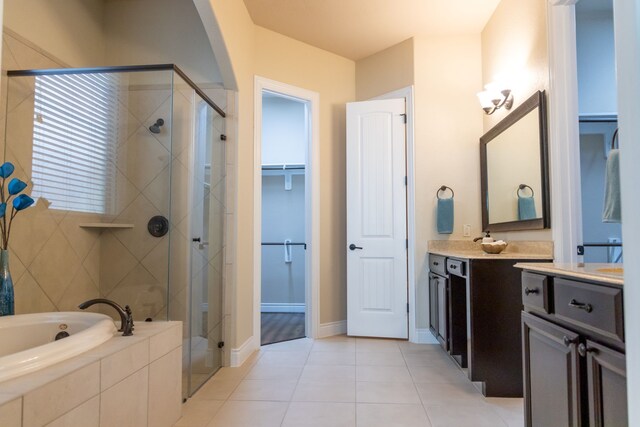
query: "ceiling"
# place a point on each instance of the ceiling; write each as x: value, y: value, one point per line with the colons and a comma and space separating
x: 356, y: 29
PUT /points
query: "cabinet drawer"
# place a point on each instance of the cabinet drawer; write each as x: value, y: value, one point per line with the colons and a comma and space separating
x: 437, y: 264
x: 598, y: 308
x: 456, y: 267
x: 535, y: 291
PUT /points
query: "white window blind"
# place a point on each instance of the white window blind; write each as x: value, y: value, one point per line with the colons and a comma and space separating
x: 74, y: 141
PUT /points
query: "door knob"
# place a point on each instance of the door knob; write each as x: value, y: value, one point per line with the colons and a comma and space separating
x: 354, y: 247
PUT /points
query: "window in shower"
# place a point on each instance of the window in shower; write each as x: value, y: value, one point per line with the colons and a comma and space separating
x: 74, y: 141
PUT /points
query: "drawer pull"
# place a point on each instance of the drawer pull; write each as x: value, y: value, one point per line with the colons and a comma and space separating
x: 528, y: 291
x: 583, y: 350
x: 568, y: 341
x: 436, y: 263
x: 453, y: 267
x: 580, y: 305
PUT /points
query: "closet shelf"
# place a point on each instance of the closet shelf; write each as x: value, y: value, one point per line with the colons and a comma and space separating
x: 104, y: 225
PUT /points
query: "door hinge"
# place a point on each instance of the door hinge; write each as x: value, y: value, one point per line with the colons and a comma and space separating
x: 406, y: 180
x: 406, y: 243
x: 407, y: 307
x: 404, y: 118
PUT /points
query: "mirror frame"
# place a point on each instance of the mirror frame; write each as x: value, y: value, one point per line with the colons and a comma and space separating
x: 538, y: 99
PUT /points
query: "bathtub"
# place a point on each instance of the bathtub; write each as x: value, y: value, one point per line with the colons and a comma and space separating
x: 27, y: 341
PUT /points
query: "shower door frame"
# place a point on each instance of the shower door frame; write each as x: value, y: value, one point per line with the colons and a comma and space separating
x: 312, y: 206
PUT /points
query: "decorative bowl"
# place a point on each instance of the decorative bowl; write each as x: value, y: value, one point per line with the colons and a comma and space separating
x: 493, y: 248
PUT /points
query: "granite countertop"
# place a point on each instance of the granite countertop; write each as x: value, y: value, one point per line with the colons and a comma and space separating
x: 603, y: 273
x: 470, y: 250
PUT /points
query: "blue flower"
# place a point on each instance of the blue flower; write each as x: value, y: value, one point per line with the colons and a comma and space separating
x: 22, y: 202
x: 3, y: 209
x: 6, y: 169
x: 16, y: 186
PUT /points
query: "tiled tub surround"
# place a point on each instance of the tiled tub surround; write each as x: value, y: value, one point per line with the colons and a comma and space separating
x: 472, y: 250
x: 126, y: 382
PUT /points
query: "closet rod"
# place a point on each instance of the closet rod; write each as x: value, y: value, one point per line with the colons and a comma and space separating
x: 601, y: 118
x: 282, y: 167
x: 282, y: 244
x: 598, y: 245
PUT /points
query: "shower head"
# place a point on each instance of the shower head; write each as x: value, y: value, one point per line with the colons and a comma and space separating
x: 155, y: 128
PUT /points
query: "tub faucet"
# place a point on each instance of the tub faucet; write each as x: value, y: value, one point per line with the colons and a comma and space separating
x: 126, y: 317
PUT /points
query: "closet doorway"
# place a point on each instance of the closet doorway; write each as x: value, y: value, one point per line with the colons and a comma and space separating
x: 597, y: 89
x: 284, y: 262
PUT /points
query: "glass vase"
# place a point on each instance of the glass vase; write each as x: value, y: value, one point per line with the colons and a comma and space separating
x: 6, y: 285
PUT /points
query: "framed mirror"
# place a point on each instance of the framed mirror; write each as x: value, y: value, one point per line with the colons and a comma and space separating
x: 514, y: 170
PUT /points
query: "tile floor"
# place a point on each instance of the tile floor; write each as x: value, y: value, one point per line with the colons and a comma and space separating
x: 351, y: 382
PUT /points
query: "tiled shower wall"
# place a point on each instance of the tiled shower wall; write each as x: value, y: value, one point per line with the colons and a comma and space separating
x: 56, y: 264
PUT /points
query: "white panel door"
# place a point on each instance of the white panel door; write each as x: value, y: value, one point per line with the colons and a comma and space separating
x: 376, y: 219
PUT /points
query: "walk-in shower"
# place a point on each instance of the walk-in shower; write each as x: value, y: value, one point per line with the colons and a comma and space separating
x: 127, y: 166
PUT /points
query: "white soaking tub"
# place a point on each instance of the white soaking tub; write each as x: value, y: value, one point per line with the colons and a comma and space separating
x: 27, y: 341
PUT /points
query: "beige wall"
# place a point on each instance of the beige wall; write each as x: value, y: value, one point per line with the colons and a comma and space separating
x: 72, y: 30
x: 514, y: 42
x: 254, y: 51
x: 237, y: 30
x: 90, y: 33
x: 157, y: 32
x: 286, y: 60
x: 447, y: 127
x: 385, y: 71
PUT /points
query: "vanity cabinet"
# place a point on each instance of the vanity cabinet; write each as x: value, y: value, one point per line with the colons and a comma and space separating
x: 439, y: 309
x: 475, y: 308
x: 439, y: 300
x: 573, y: 352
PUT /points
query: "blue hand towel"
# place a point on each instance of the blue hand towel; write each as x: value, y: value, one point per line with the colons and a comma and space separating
x: 611, y: 211
x: 526, y: 208
x: 445, y: 216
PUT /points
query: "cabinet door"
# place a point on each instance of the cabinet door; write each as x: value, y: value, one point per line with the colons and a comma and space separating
x: 443, y: 313
x: 433, y: 304
x: 607, y: 378
x: 551, y: 374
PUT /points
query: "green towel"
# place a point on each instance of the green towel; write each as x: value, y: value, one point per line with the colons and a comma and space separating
x: 445, y: 216
x: 612, y: 210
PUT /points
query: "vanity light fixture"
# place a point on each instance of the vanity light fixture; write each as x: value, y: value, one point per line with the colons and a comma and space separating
x: 495, y: 97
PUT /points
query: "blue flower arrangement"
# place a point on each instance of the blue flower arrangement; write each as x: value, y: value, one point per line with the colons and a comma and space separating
x: 19, y: 202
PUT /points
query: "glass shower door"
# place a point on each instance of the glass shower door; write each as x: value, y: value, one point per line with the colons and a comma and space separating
x: 206, y: 247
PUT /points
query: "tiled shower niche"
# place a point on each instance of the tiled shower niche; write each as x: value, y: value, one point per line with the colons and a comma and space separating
x: 100, y: 170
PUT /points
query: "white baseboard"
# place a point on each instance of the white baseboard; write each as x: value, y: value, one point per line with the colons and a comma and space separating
x: 424, y: 336
x: 278, y: 307
x: 332, y: 328
x: 241, y: 354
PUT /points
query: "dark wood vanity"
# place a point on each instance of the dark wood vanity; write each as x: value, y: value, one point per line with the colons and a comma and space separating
x: 475, y: 308
x: 573, y: 347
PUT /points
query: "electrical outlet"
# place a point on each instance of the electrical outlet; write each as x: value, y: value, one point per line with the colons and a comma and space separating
x: 466, y: 230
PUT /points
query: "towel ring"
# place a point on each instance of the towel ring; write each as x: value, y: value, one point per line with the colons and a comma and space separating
x: 444, y: 188
x: 522, y: 187
x: 614, y: 140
